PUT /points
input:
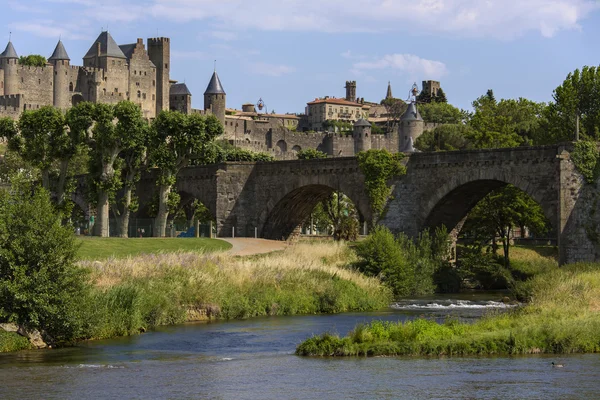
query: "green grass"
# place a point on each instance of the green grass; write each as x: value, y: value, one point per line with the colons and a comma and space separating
x: 562, y: 316
x: 10, y: 341
x: 95, y: 248
x: 138, y: 293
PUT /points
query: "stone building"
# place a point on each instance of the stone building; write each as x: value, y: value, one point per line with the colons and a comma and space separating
x: 331, y: 108
x: 431, y: 87
x: 110, y: 73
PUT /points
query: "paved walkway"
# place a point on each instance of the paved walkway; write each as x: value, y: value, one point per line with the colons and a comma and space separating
x: 250, y: 246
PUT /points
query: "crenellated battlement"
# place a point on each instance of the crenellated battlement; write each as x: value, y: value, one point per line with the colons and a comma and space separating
x: 12, y: 101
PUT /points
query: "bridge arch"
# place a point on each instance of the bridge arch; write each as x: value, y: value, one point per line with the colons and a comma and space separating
x: 283, y: 219
x: 451, y: 202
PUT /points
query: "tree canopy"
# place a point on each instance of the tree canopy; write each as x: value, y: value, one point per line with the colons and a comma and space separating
x: 33, y: 60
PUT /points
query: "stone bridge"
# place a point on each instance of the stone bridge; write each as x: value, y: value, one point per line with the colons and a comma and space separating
x: 272, y: 199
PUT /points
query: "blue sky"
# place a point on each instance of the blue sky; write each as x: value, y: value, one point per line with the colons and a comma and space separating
x: 289, y: 52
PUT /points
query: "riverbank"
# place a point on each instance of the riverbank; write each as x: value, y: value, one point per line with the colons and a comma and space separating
x: 131, y: 295
x: 562, y: 316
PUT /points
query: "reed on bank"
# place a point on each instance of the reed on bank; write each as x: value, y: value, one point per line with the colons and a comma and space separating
x: 562, y: 316
x: 137, y: 293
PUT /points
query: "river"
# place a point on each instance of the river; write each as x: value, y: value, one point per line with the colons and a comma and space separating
x: 253, y: 359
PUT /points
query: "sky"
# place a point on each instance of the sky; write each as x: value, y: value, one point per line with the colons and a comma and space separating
x: 289, y: 52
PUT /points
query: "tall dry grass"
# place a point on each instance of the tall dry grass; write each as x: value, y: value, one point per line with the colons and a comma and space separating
x: 144, y: 291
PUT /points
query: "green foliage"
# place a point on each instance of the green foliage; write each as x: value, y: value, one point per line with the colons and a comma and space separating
x: 441, y: 113
x: 12, y: 341
x: 379, y: 166
x: 376, y: 129
x: 310, y: 154
x: 445, y: 138
x: 560, y: 319
x: 407, y: 266
x: 40, y: 287
x: 491, y: 129
x: 33, y: 60
x: 585, y: 156
x: 338, y: 126
x: 498, y: 213
x: 579, y: 94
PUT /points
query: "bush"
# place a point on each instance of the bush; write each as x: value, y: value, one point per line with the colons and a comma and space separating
x: 40, y: 287
x: 310, y: 154
x: 407, y: 266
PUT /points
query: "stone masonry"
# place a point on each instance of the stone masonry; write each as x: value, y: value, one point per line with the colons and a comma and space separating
x: 273, y: 199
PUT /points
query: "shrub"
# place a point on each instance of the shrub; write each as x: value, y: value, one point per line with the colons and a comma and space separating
x: 310, y: 154
x: 40, y: 287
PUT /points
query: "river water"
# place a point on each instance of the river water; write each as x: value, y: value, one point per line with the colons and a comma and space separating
x: 254, y: 359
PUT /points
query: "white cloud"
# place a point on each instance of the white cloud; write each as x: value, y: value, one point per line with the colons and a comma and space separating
x: 503, y: 19
x: 52, y: 29
x: 274, y: 70
x: 409, y: 64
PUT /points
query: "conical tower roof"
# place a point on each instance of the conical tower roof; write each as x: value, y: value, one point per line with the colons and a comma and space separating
x: 362, y: 122
x: 411, y: 114
x: 389, y: 91
x: 214, y: 86
x: 9, y: 52
x: 59, y: 52
x: 108, y: 47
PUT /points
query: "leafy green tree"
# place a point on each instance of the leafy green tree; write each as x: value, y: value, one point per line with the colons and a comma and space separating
x: 310, y: 154
x: 441, y: 113
x: 440, y: 97
x: 132, y: 161
x: 498, y: 213
x: 33, y: 60
x: 445, y: 138
x: 424, y: 98
x: 175, y: 140
x: 38, y: 131
x: 40, y: 285
x: 579, y: 94
x: 491, y: 129
x: 342, y: 215
x: 110, y: 137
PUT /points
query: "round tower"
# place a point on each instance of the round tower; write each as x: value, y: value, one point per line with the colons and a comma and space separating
x: 60, y: 61
x: 362, y: 136
x: 351, y: 91
x: 215, y: 98
x: 411, y: 127
x: 9, y: 61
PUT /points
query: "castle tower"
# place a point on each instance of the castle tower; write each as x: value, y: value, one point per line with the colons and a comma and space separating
x: 60, y: 60
x: 180, y: 98
x: 431, y: 87
x: 411, y: 127
x: 362, y: 136
x: 389, y: 92
x: 9, y: 62
x: 351, y: 91
x: 159, y: 51
x: 215, y: 98
x: 104, y: 53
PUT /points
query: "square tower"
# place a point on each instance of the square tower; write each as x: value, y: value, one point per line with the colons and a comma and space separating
x: 159, y: 51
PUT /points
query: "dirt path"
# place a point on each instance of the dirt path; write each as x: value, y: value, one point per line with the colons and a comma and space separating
x: 249, y: 246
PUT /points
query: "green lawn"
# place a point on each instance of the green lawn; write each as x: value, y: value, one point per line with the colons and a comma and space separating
x: 95, y: 248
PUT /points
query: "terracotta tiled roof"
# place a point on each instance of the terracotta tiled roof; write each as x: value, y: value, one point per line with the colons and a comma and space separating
x: 340, y: 102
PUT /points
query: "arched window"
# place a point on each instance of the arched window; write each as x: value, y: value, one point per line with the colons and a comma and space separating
x: 139, y: 94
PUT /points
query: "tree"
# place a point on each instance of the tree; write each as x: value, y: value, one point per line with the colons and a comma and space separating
x: 33, y: 60
x: 132, y: 160
x: 310, y: 154
x: 579, y: 94
x: 441, y: 113
x: 342, y: 216
x: 394, y: 109
x: 176, y: 139
x: 491, y: 129
x: 38, y: 131
x: 112, y: 133
x: 40, y: 285
x: 441, y: 96
x: 498, y: 213
x: 445, y: 138
x: 424, y: 97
